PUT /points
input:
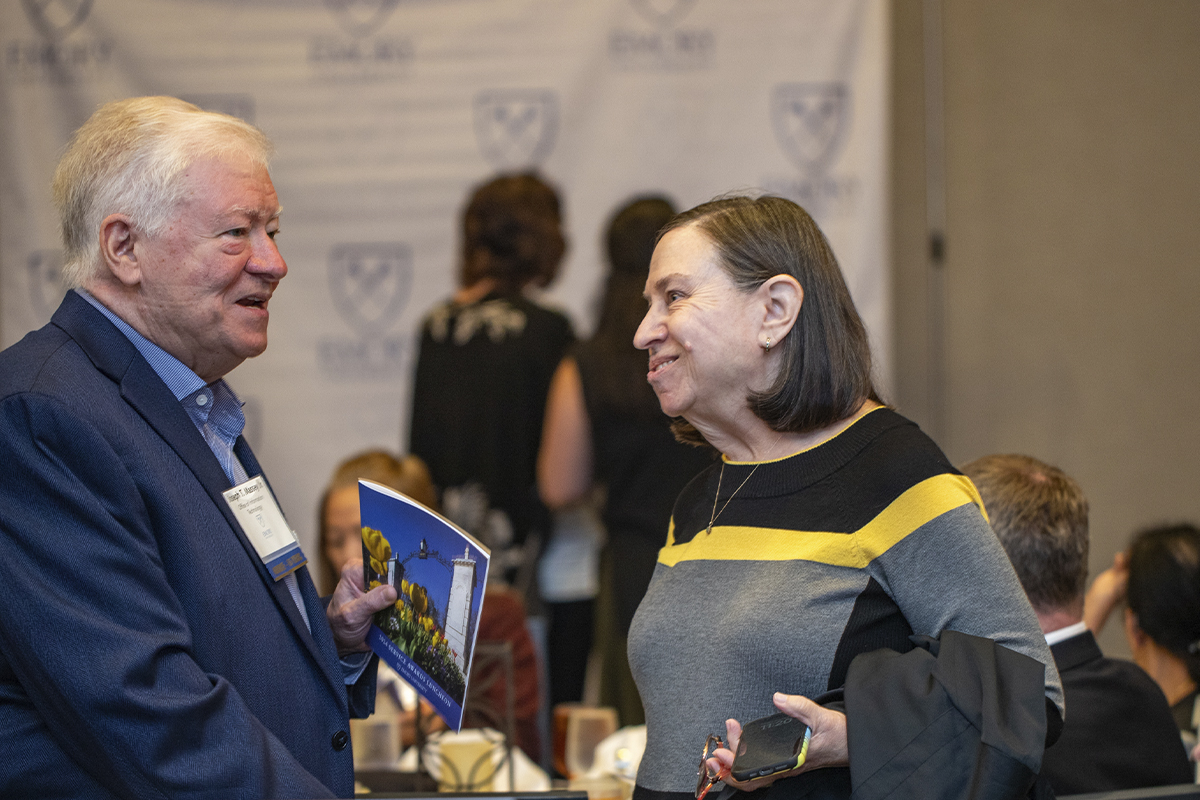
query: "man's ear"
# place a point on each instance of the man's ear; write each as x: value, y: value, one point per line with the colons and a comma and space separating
x: 118, y: 238
x: 782, y: 295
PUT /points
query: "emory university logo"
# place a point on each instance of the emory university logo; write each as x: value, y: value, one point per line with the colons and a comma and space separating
x: 515, y: 128
x: 810, y: 121
x: 360, y: 18
x: 663, y: 13
x: 370, y: 282
x: 45, y: 280
x: 55, y: 19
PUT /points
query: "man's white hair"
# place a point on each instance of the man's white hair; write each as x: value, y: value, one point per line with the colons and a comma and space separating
x: 128, y: 158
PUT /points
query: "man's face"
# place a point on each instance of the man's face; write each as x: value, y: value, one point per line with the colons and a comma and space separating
x: 205, y: 281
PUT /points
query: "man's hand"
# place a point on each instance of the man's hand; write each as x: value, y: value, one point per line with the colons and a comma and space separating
x: 826, y: 748
x: 350, y: 609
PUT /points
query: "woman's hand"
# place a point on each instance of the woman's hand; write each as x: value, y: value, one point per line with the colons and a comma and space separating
x: 826, y: 748
x: 1106, y: 591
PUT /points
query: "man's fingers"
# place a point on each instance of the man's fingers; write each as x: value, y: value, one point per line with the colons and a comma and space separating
x: 353, y: 572
x: 380, y: 597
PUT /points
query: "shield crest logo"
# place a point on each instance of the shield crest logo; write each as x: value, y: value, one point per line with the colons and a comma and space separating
x: 515, y: 128
x: 45, y: 280
x: 57, y: 18
x: 370, y: 282
x: 810, y: 121
x: 361, y: 18
x: 663, y: 13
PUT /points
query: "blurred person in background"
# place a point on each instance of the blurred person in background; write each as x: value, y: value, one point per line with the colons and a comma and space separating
x: 502, y: 618
x: 604, y: 426
x: 484, y: 366
x: 483, y: 372
x: 1041, y: 518
x: 1159, y: 577
x: 338, y: 520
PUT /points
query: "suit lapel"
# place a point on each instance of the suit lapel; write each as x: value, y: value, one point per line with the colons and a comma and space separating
x: 141, y: 387
x: 319, y: 640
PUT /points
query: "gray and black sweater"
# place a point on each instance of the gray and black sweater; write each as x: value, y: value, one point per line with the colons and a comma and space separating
x: 842, y: 549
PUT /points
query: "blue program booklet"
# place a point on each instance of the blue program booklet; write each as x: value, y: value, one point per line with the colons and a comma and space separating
x: 439, y: 571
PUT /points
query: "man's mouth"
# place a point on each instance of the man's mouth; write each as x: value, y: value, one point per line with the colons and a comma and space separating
x: 254, y: 301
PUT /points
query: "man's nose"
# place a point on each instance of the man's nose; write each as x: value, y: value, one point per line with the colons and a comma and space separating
x: 266, y: 259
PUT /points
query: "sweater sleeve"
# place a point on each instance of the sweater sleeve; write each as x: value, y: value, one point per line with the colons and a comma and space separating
x: 944, y: 567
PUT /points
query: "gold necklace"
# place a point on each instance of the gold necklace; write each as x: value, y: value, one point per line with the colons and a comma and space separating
x: 713, y: 517
x: 720, y: 477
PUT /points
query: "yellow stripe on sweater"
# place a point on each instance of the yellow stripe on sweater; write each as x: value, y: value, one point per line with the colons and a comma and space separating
x: 926, y: 501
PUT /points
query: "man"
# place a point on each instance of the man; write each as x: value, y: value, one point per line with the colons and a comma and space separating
x: 1118, y: 732
x: 152, y: 640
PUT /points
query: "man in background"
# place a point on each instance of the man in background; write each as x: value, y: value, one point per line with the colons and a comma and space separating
x: 1118, y: 732
x: 161, y: 636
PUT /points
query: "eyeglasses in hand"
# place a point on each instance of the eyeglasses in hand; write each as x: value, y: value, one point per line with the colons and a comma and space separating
x: 706, y: 779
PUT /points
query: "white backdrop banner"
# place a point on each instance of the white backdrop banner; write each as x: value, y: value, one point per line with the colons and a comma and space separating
x: 386, y: 112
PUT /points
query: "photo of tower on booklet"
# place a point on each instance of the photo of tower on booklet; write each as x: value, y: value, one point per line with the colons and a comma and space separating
x: 439, y: 572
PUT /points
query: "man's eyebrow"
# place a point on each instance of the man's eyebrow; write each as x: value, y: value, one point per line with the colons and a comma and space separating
x: 247, y: 212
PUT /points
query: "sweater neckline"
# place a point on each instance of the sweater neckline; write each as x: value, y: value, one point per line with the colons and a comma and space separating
x: 795, y: 472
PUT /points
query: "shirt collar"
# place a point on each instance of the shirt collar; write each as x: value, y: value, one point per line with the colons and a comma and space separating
x: 1062, y: 634
x: 179, y: 379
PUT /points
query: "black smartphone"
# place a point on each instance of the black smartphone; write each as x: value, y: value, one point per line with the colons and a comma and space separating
x: 770, y: 745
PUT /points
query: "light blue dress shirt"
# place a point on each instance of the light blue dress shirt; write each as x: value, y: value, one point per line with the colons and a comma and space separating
x: 213, y: 408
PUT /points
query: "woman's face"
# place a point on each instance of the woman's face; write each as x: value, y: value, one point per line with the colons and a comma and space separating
x: 701, y: 332
x: 343, y: 533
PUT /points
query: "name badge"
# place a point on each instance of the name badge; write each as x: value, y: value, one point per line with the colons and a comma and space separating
x: 256, y: 511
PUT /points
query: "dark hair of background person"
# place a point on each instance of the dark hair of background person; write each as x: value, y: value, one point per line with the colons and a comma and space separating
x: 408, y: 475
x: 1164, y: 589
x: 826, y: 370
x: 512, y: 233
x: 632, y: 234
x: 1040, y: 516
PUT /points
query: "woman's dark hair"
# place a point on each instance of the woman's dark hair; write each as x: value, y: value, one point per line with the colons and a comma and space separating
x: 1164, y: 589
x: 512, y: 233
x: 826, y: 371
x: 632, y: 233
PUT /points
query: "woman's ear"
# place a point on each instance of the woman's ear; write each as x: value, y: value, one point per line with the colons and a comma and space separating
x: 782, y: 297
x: 1133, y: 631
x: 118, y: 238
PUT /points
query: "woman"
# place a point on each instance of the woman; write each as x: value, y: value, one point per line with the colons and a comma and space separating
x: 484, y: 367
x: 831, y: 526
x: 1160, y: 578
x: 338, y: 516
x: 603, y: 424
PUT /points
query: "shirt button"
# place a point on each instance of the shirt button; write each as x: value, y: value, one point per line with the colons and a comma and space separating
x: 201, y: 400
x: 340, y: 740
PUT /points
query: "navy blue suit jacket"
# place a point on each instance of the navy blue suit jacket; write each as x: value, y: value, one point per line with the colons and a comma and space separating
x: 1118, y: 733
x: 144, y: 650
